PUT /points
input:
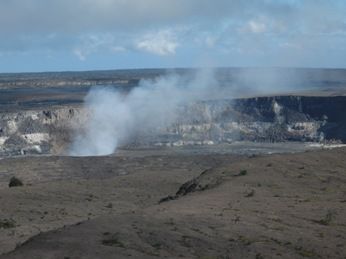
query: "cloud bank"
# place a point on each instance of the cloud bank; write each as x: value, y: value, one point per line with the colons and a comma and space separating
x: 89, y: 34
x: 160, y: 43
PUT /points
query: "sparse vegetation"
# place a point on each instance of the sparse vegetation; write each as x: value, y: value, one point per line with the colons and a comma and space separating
x: 244, y: 240
x: 156, y: 245
x: 326, y: 220
x: 7, y: 223
x: 109, y: 205
x: 15, y: 182
x: 249, y: 193
x: 113, y: 241
x: 305, y: 253
x: 242, y: 173
x: 186, y: 241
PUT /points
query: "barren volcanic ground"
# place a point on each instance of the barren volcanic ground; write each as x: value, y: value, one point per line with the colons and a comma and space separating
x: 250, y: 177
x: 176, y: 206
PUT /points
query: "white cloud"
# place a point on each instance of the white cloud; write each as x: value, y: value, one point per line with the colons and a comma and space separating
x: 210, y: 41
x: 229, y: 31
x: 80, y: 54
x: 263, y: 24
x: 82, y: 15
x: 257, y: 27
x: 163, y: 42
x: 93, y: 43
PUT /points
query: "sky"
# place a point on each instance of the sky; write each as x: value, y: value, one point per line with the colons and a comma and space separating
x: 65, y: 35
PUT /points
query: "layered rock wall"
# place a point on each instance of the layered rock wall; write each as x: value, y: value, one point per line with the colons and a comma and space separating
x: 282, y: 118
x: 39, y: 132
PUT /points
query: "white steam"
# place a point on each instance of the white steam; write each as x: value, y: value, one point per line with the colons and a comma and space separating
x: 116, y: 117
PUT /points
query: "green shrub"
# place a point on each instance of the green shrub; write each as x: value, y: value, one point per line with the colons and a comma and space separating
x: 15, y: 182
x: 7, y: 223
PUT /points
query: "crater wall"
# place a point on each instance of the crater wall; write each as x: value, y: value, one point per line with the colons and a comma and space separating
x: 267, y: 119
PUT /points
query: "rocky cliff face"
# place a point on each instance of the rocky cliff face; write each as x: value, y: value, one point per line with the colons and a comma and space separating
x: 282, y: 118
x: 39, y: 132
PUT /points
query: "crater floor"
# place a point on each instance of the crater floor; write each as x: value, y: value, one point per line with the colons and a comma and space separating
x: 212, y: 206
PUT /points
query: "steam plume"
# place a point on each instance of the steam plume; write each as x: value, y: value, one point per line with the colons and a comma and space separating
x: 116, y: 117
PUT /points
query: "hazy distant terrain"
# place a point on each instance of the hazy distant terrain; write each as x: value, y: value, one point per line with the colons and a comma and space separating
x: 50, y: 88
x: 296, y: 78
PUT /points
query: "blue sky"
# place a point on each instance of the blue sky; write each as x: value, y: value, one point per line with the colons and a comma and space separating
x: 60, y: 35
